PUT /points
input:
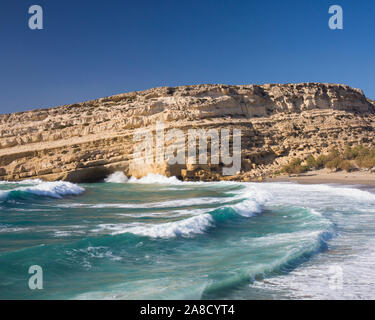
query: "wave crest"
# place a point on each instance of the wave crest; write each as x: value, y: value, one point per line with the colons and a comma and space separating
x: 155, y: 178
x: 182, y: 228
x: 56, y: 189
x: 252, y: 201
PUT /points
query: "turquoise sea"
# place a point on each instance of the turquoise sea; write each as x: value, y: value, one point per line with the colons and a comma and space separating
x: 159, y: 238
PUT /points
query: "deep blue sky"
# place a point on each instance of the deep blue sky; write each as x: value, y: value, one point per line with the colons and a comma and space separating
x: 90, y: 49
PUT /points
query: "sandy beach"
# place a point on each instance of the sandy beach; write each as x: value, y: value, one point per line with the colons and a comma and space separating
x: 326, y: 176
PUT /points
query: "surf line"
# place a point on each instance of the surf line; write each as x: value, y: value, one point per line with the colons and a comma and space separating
x: 150, y: 310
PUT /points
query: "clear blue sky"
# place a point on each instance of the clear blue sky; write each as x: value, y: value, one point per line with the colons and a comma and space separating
x: 90, y: 49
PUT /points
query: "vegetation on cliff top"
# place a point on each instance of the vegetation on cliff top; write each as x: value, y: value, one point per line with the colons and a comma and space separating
x: 350, y: 159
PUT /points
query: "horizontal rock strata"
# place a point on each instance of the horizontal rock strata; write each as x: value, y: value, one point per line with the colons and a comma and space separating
x: 86, y: 141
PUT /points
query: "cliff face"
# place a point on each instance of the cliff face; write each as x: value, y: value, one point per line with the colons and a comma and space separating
x: 89, y: 140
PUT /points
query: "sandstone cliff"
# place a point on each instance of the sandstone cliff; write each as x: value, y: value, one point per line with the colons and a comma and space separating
x: 86, y: 141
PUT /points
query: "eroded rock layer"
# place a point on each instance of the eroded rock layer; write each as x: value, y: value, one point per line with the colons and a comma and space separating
x: 87, y: 141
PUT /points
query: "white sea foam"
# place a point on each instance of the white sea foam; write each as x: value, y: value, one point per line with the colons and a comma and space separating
x: 318, y: 189
x: 252, y: 201
x: 318, y: 196
x: 56, y: 189
x: 247, y: 208
x: 117, y: 177
x: 328, y: 277
x: 155, y: 178
x: 23, y: 182
x: 59, y: 234
x: 4, y: 228
x: 184, y: 228
x: 67, y: 233
x: 163, y: 204
x: 252, y: 197
x: 167, y: 214
x: 89, y: 254
x: 266, y: 189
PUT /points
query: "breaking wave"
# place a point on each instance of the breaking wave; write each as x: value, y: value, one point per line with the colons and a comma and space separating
x: 117, y: 177
x: 232, y: 233
x: 23, y: 182
x: 182, y: 228
x: 56, y: 189
x: 120, y: 177
x: 155, y: 178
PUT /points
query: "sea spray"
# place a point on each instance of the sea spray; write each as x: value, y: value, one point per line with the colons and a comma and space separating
x: 155, y: 178
x: 116, y: 177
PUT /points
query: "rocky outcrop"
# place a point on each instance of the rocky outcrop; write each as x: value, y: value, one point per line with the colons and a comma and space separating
x: 87, y: 141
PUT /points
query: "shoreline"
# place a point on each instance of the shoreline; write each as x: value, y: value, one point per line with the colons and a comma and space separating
x: 323, y: 176
x: 326, y: 177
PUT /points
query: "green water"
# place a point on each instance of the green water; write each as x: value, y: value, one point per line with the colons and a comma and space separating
x: 158, y: 238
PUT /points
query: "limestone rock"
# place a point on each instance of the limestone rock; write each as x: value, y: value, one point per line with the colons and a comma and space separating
x: 89, y: 140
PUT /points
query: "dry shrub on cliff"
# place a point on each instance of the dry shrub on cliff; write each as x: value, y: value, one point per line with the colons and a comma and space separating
x: 366, y: 162
x: 364, y: 157
x: 347, y: 160
x: 340, y: 164
x: 347, y: 166
x: 295, y: 167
